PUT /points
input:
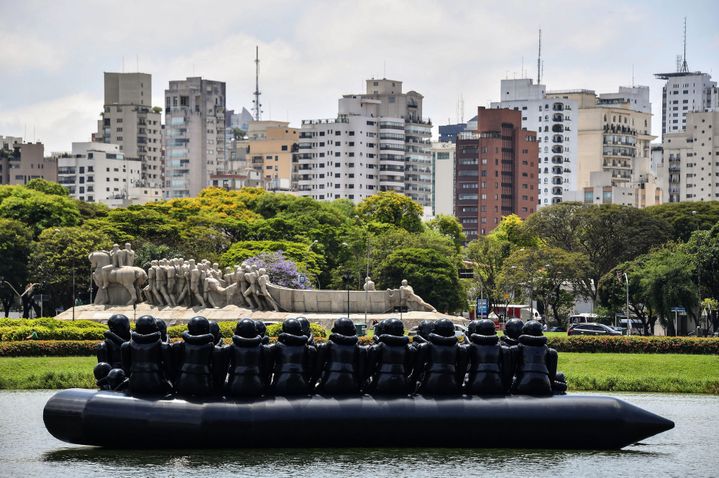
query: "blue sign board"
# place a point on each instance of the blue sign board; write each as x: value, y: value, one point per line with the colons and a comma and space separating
x: 679, y: 310
x: 482, y: 306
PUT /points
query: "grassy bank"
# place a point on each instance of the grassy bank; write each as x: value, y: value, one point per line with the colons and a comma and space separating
x: 669, y: 373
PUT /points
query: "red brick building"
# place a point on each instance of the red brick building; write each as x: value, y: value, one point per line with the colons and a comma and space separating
x: 496, y: 171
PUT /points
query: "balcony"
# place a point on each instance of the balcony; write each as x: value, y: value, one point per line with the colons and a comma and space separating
x: 557, y: 117
x: 557, y: 138
x: 557, y: 149
x: 556, y: 160
x: 558, y: 107
x: 557, y: 191
x: 557, y: 128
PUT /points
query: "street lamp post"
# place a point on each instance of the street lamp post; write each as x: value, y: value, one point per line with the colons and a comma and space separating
x: 366, y: 289
x: 347, y: 277
x: 73, y: 293
x: 629, y: 323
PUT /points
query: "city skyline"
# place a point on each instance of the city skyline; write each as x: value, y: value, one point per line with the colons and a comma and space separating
x: 312, y: 54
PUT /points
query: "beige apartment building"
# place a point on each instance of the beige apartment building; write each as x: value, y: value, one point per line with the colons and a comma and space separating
x: 690, y: 162
x: 21, y: 162
x: 613, y: 148
x: 270, y: 147
x: 129, y: 120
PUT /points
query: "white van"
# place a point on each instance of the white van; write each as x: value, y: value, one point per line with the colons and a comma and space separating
x: 583, y: 318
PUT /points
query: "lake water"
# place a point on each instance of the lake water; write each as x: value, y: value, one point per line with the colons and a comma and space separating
x: 690, y: 449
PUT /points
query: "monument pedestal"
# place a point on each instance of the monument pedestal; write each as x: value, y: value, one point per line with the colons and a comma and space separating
x: 181, y: 315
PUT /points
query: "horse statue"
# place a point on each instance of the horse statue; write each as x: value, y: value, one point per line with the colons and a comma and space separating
x: 131, y: 278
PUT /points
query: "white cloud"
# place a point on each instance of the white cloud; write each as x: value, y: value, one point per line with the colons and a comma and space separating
x: 56, y: 123
x: 21, y: 52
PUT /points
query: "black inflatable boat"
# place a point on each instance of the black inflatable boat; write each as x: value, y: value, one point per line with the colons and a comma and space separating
x: 114, y: 419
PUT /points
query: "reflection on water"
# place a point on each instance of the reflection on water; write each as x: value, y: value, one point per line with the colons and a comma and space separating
x: 27, y: 449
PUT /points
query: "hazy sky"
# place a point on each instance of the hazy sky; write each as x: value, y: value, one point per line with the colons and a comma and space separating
x: 53, y: 53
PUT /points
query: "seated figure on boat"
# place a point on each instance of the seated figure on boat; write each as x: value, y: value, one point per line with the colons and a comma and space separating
x: 536, y: 363
x: 390, y: 361
x: 247, y: 359
x: 340, y: 360
x: 146, y: 360
x: 512, y: 331
x: 424, y: 328
x: 262, y: 331
x: 100, y: 372
x: 490, y: 365
x: 293, y: 361
x: 441, y: 361
x: 216, y: 333
x: 195, y: 358
x: 119, y: 332
x: 306, y: 330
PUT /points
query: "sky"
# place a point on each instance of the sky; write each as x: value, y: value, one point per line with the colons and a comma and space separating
x: 53, y: 53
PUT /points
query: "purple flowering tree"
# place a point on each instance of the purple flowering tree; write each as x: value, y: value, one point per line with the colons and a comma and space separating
x: 281, y: 270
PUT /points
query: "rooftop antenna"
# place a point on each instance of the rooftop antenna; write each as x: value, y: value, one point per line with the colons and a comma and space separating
x: 123, y: 64
x: 523, y: 75
x: 256, y: 101
x: 632, y: 75
x: 461, y: 107
x: 685, y: 67
x: 539, y: 59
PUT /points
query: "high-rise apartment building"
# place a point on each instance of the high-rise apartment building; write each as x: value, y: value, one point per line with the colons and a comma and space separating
x: 614, y: 135
x: 555, y: 121
x: 448, y: 132
x: 443, y: 165
x: 378, y: 142
x: 129, y: 120
x: 270, y: 148
x: 685, y: 92
x: 100, y: 172
x: 194, y: 136
x: 20, y: 162
x: 496, y: 171
x: 690, y: 165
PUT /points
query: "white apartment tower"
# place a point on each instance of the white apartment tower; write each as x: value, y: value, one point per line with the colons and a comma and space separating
x: 556, y: 122
x: 129, y: 120
x: 378, y: 142
x: 194, y: 135
x: 684, y: 92
x: 690, y: 163
x: 444, y: 157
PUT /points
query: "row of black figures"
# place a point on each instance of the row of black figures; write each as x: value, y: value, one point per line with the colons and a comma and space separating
x: 143, y: 362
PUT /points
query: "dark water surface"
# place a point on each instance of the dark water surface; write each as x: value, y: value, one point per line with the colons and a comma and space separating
x: 690, y: 449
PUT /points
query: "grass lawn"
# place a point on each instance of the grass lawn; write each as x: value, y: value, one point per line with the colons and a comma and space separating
x: 584, y: 371
x: 641, y: 372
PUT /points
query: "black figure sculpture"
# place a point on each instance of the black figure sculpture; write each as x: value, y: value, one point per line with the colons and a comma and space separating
x: 512, y: 331
x: 194, y: 359
x: 109, y: 350
x: 117, y: 380
x: 100, y: 372
x: 490, y: 364
x: 216, y: 333
x: 559, y: 384
x: 378, y: 327
x: 306, y: 330
x: 248, y: 362
x: 162, y: 327
x: 424, y: 328
x: 390, y: 361
x: 146, y: 359
x: 536, y: 363
x: 441, y: 360
x: 262, y: 331
x: 339, y: 360
x: 292, y: 360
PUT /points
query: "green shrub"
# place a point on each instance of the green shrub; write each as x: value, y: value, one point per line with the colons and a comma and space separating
x: 635, y: 344
x: 274, y: 330
x: 54, y: 348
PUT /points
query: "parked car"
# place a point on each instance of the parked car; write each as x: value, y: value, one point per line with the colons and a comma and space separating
x: 556, y: 328
x: 592, y: 328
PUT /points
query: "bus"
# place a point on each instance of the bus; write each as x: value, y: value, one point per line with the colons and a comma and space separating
x: 514, y: 311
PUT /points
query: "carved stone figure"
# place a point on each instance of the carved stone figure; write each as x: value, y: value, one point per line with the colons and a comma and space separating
x: 250, y: 293
x: 195, y: 275
x: 146, y: 359
x: 490, y: 364
x: 368, y: 284
x: 536, y: 363
x: 161, y: 281
x: 441, y: 360
x: 248, y: 362
x: 293, y: 361
x: 262, y: 280
x: 390, y: 361
x: 119, y: 332
x: 340, y: 360
x: 411, y: 300
x: 130, y: 279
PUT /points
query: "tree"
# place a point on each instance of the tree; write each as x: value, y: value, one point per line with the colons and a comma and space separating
x: 36, y: 209
x: 61, y: 252
x: 450, y: 227
x: 683, y: 218
x: 15, y: 241
x: 607, y: 235
x: 548, y: 273
x: 47, y: 187
x: 301, y: 254
x: 612, y: 293
x: 281, y: 271
x: 392, y: 208
x: 433, y: 276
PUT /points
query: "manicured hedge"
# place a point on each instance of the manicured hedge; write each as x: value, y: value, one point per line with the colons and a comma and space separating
x: 636, y: 345
x: 54, y: 348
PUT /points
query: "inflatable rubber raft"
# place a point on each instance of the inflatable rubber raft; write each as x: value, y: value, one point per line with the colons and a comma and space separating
x: 112, y: 419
